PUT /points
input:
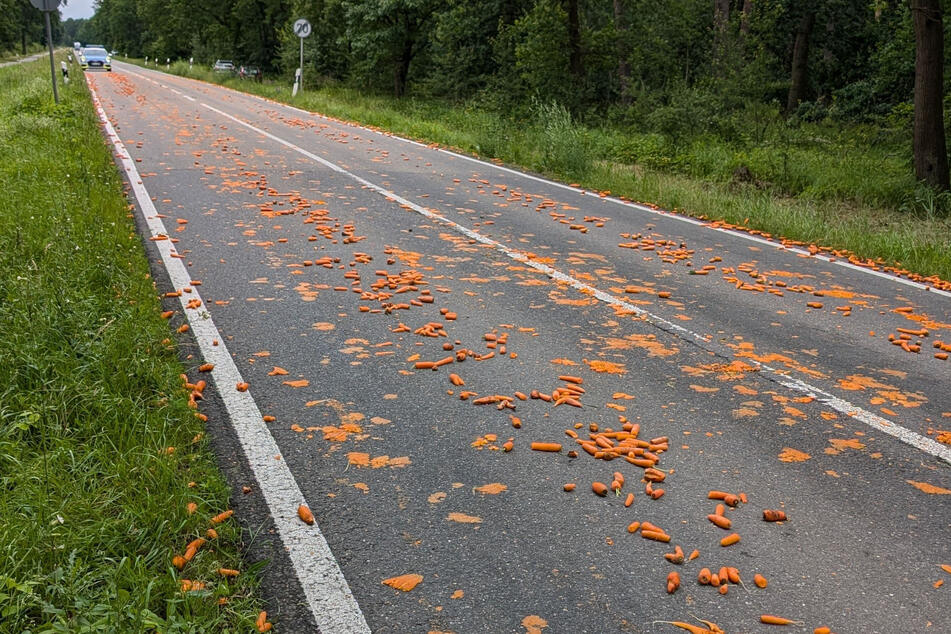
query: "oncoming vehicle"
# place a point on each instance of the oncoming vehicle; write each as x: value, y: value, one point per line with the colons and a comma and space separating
x: 77, y: 46
x: 95, y: 57
x: 223, y: 66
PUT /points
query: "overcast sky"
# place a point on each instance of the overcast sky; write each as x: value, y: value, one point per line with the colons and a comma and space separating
x: 76, y: 9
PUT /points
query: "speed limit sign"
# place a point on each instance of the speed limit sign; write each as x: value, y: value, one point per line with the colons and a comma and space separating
x: 302, y: 28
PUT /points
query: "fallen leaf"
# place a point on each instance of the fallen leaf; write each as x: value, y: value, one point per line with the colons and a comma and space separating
x: 929, y: 488
x: 534, y: 624
x: 491, y: 489
x: 794, y: 455
x: 404, y: 582
x: 299, y: 383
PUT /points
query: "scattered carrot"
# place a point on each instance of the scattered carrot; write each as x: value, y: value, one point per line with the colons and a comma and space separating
x: 599, y: 488
x: 770, y: 515
x: 629, y: 500
x: 733, y: 574
x: 693, y: 629
x: 220, y: 517
x: 673, y: 582
x: 719, y: 520
x: 304, y: 513
x: 704, y: 576
x: 777, y: 620
x: 206, y: 367
x: 724, y: 589
x: 656, y: 536
x: 633, y: 527
x: 509, y: 444
x: 729, y: 540
x: 693, y: 555
x: 570, y: 486
x: 261, y: 622
x: 550, y: 446
x: 242, y: 387
x: 455, y: 379
x: 822, y: 630
x: 676, y: 557
x: 567, y: 378
x: 760, y: 581
x: 228, y: 572
x: 178, y: 561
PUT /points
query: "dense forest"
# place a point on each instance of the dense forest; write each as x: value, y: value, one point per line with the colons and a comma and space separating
x: 677, y: 68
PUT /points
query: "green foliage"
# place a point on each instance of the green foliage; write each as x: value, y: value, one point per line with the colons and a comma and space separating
x: 93, y: 506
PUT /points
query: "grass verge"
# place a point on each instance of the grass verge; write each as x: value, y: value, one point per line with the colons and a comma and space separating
x: 850, y: 195
x: 94, y: 503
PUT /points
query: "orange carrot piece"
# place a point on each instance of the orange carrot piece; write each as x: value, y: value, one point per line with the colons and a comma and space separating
x: 220, y: 517
x: 206, y: 367
x: 567, y: 378
x: 719, y: 520
x: 304, y: 513
x: 228, y: 572
x: 729, y: 540
x: 633, y: 527
x: 760, y: 581
x: 629, y: 500
x: 673, y: 582
x: 654, y: 535
x: 547, y: 446
x: 455, y: 379
x: 770, y: 515
x: 693, y: 555
x: 570, y: 486
x: 769, y: 619
x: 599, y: 488
x: 704, y: 576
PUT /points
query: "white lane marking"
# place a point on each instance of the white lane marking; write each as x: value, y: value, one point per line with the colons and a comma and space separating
x: 893, y: 429
x: 330, y: 599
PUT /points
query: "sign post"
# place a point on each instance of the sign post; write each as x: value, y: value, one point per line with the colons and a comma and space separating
x: 302, y: 30
x: 46, y: 6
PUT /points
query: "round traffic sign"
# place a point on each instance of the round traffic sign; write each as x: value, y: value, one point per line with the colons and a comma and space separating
x: 302, y: 28
x: 45, y: 5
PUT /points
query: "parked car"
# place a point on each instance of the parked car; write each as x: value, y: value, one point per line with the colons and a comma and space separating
x: 95, y: 57
x: 250, y: 72
x: 223, y: 66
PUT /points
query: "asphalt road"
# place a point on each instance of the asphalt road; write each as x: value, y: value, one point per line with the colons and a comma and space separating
x: 770, y: 372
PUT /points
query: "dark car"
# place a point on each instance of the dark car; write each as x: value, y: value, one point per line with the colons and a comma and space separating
x: 95, y: 57
x: 223, y: 66
x: 250, y: 72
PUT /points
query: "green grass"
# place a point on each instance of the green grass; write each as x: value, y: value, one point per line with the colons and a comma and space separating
x: 842, y: 188
x: 92, y: 507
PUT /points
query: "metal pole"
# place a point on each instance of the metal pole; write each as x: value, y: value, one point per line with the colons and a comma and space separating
x: 49, y: 40
x: 301, y: 84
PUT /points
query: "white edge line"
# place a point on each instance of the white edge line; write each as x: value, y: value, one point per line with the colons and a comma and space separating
x: 903, y: 434
x: 329, y: 597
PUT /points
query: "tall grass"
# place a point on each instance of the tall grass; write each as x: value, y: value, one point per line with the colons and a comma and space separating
x: 92, y: 503
x: 841, y: 187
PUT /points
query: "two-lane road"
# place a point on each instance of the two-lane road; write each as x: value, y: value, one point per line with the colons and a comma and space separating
x: 339, y: 264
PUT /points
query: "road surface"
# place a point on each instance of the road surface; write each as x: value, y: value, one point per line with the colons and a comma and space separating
x: 333, y: 265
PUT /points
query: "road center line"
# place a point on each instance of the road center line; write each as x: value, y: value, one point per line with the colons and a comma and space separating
x: 330, y: 599
x: 842, y: 406
x: 612, y: 199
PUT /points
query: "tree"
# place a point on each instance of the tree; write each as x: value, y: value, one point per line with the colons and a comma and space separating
x: 930, y: 151
x: 799, y: 74
x: 388, y: 33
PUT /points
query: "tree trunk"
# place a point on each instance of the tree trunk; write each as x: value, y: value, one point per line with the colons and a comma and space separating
x: 745, y: 18
x: 930, y: 152
x: 623, y: 68
x: 721, y: 15
x: 574, y: 37
x: 721, y: 25
x: 800, y: 61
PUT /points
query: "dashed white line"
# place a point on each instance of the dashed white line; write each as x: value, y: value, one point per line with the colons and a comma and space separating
x: 330, y: 599
x: 903, y: 434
